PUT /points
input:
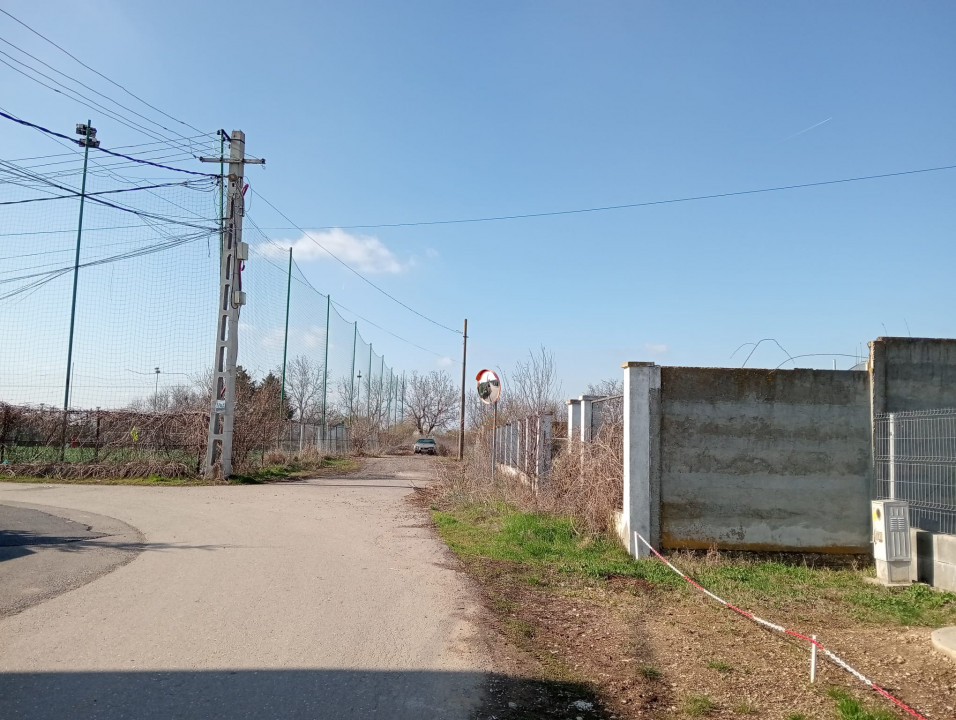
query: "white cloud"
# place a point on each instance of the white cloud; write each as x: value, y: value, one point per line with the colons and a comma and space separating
x: 444, y: 362
x: 365, y: 253
x: 655, y: 348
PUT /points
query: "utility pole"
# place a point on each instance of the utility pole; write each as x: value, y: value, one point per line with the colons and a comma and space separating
x: 352, y: 374
x: 231, y: 298
x: 89, y: 140
x: 325, y: 369
x: 461, y: 419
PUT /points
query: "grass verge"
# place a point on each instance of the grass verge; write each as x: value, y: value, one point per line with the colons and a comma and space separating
x: 270, y: 473
x: 540, y: 544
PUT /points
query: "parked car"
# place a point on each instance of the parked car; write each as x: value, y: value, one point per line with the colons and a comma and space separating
x: 425, y: 445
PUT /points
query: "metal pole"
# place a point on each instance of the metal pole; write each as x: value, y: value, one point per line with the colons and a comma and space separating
x: 325, y: 374
x: 76, y: 274
x: 461, y: 419
x: 352, y: 375
x: 494, y: 441
x: 285, y: 342
x: 368, y: 380
x: 381, y: 392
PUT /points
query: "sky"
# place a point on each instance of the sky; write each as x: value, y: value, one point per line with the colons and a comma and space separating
x: 375, y: 116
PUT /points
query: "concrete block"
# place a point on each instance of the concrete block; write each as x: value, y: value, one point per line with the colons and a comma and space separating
x: 944, y: 576
x: 944, y: 548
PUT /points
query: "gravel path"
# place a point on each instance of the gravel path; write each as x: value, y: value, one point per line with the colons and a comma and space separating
x: 325, y: 598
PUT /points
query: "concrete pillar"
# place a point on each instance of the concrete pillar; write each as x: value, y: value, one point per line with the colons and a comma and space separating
x: 543, y: 454
x: 528, y: 447
x: 876, y: 369
x: 519, y: 445
x: 507, y: 441
x: 574, y: 419
x: 586, y: 409
x: 642, y: 455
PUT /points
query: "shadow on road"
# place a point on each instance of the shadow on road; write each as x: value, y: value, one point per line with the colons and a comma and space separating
x: 260, y: 694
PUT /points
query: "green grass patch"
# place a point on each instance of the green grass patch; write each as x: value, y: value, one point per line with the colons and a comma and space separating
x: 650, y: 672
x: 777, y: 584
x: 544, y: 544
x: 851, y: 709
x: 699, y: 705
x: 539, y: 541
x: 720, y: 666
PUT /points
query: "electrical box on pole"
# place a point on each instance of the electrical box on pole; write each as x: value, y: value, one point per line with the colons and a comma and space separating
x: 231, y: 299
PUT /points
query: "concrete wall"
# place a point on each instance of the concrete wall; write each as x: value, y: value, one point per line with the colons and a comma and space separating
x: 918, y: 374
x: 912, y: 374
x: 765, y: 459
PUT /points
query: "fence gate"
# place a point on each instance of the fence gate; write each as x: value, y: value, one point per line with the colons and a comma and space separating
x: 916, y: 462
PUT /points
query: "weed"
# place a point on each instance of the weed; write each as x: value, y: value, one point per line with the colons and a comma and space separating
x: 796, y: 716
x: 851, y: 709
x: 698, y: 705
x: 745, y: 708
x: 720, y: 666
x: 650, y: 672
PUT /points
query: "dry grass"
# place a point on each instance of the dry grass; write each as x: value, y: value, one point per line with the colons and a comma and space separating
x: 96, y: 471
x: 585, y: 483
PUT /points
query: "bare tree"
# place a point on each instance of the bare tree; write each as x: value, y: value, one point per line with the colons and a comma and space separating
x: 533, y: 384
x: 611, y: 403
x: 303, y: 386
x: 431, y: 401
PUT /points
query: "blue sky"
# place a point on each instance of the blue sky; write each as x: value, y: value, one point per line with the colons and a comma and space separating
x: 378, y: 113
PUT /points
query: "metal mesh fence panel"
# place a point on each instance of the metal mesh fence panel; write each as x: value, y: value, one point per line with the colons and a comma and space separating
x: 916, y: 461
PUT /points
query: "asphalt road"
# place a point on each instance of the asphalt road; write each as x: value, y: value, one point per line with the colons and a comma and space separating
x: 324, y: 599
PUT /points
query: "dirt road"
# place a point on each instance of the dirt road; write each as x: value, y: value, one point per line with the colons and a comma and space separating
x: 325, y: 598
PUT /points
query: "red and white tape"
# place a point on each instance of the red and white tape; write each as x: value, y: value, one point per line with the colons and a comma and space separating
x: 779, y: 628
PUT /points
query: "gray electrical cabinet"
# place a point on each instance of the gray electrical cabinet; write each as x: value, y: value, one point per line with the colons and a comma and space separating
x: 891, y: 541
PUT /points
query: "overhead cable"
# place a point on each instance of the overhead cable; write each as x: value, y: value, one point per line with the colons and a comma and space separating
x: 625, y: 206
x: 96, y: 72
x: 102, y: 149
x: 355, y: 272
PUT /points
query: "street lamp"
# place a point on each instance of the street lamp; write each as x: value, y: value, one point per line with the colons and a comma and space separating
x: 89, y: 140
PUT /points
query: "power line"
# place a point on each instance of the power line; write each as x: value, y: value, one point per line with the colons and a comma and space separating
x: 82, y: 84
x: 96, y: 72
x: 101, y: 149
x: 304, y: 281
x: 624, y: 206
x: 100, y: 192
x: 76, y: 97
x: 354, y: 271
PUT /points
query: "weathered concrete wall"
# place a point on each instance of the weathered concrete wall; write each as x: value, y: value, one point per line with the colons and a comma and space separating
x: 765, y: 460
x: 912, y: 374
x: 918, y: 374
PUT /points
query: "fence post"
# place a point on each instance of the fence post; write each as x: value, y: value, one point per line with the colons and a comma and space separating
x: 587, y: 408
x: 891, y: 424
x: 574, y: 419
x: 543, y: 459
x: 642, y: 448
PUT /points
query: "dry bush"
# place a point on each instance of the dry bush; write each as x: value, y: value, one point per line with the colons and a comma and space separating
x: 585, y: 483
x: 98, y: 471
x: 587, y: 480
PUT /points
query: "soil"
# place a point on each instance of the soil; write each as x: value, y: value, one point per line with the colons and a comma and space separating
x: 643, y: 651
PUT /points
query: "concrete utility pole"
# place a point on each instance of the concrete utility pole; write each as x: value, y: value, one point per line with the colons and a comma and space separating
x: 461, y: 420
x: 231, y: 298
